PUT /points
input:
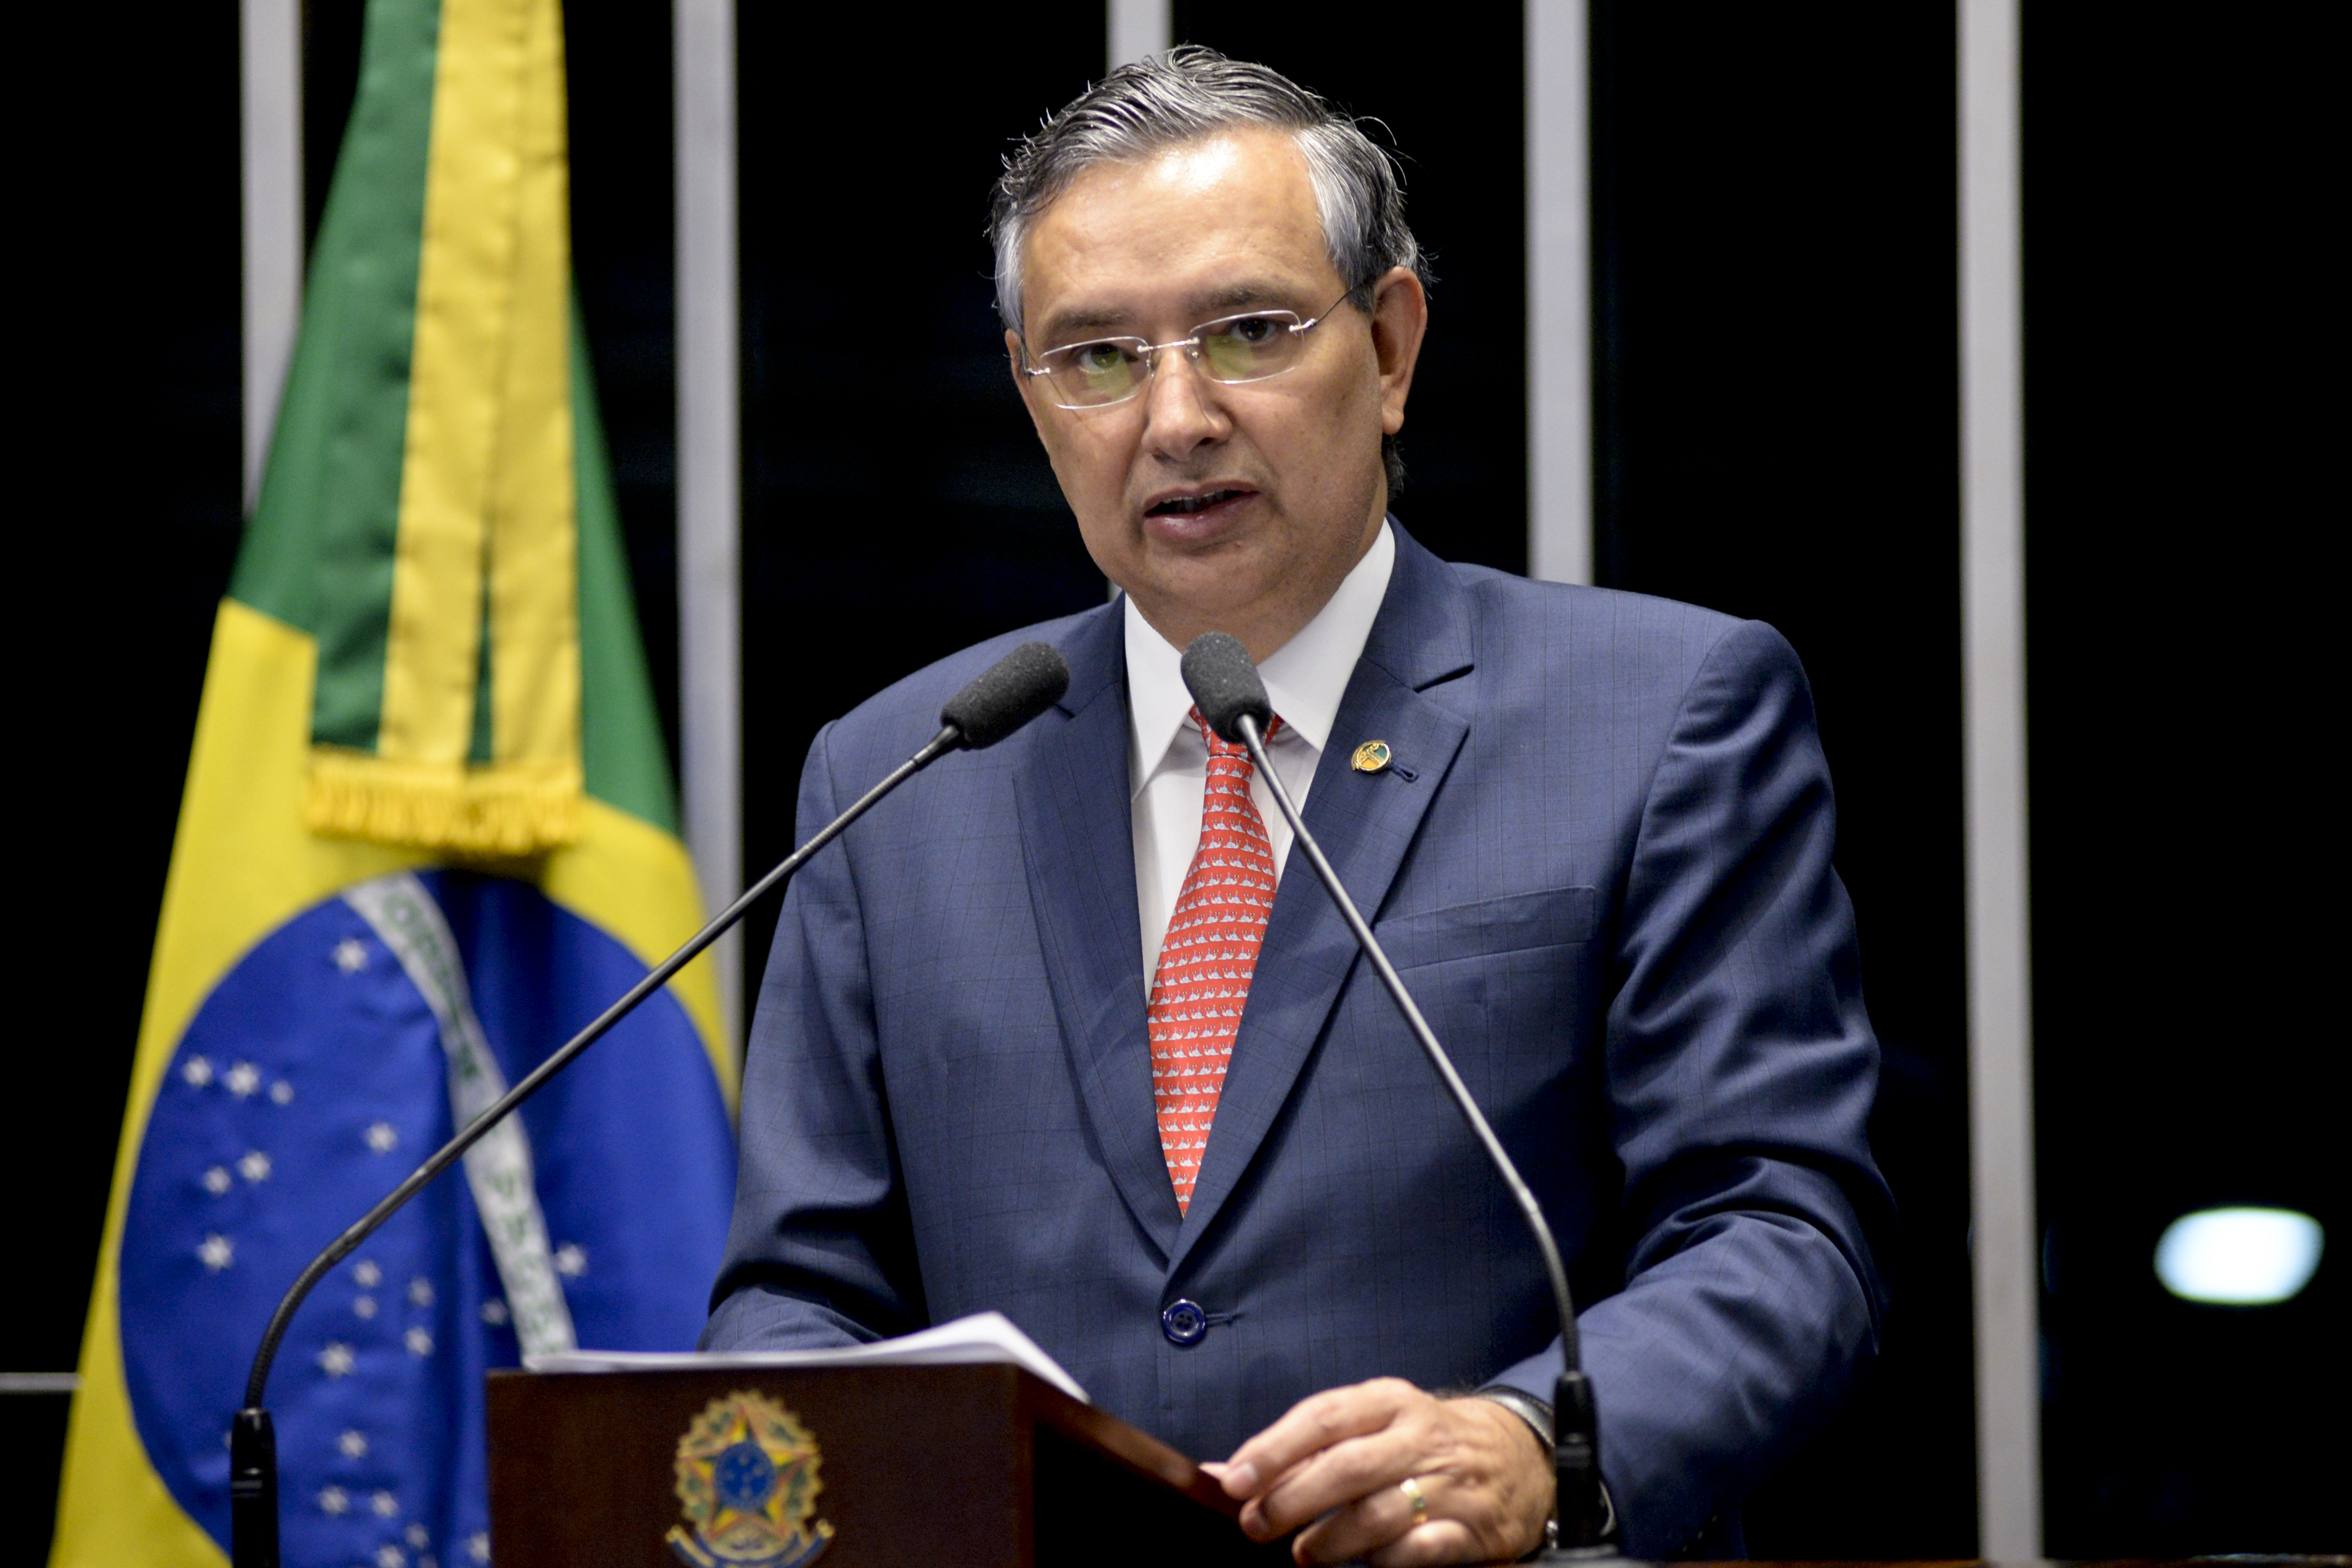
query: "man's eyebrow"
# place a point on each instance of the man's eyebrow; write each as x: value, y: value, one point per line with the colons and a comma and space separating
x: 1062, y: 325
x: 1241, y: 296
x: 1066, y: 326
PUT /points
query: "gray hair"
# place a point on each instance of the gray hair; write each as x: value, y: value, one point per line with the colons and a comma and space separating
x: 1180, y: 96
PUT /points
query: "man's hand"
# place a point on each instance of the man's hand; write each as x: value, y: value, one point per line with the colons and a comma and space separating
x: 1336, y: 1463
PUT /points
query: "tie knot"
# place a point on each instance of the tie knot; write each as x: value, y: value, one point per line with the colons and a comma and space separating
x: 1219, y: 746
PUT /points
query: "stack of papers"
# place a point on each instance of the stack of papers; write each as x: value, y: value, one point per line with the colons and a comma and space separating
x: 987, y: 1338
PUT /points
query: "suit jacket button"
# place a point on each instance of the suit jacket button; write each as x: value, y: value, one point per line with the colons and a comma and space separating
x: 1184, y: 1323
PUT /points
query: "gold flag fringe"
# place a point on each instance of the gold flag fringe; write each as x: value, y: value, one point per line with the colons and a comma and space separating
x: 502, y: 811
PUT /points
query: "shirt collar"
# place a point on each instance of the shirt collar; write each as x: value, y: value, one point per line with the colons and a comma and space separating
x: 1305, y: 677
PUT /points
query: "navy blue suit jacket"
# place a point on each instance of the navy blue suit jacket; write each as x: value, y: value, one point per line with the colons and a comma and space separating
x: 1602, y: 860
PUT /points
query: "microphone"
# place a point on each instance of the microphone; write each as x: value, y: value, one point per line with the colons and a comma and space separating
x: 1224, y: 684
x: 1000, y: 700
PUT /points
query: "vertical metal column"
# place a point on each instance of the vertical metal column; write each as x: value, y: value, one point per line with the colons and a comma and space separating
x: 270, y: 67
x: 1560, y: 294
x: 1992, y: 595
x: 709, y: 470
x: 1134, y: 28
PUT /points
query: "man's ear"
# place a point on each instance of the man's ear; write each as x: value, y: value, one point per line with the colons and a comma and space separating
x: 1400, y: 321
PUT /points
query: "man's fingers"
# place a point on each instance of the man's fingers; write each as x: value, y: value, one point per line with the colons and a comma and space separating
x: 1311, y: 1425
x: 1381, y: 1522
x: 1382, y: 1530
x: 1439, y: 1540
x: 1481, y: 1476
x: 1358, y: 1467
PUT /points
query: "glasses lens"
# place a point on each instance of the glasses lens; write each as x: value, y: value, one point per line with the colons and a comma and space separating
x: 1087, y: 373
x: 1249, y: 348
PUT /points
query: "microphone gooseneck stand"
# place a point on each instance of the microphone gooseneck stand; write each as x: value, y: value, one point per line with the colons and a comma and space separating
x: 1224, y: 682
x: 1011, y: 692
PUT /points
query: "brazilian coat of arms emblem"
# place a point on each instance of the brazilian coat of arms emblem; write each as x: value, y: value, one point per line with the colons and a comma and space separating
x: 747, y: 1480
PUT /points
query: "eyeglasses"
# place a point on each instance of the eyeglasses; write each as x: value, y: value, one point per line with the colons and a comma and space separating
x: 1230, y: 350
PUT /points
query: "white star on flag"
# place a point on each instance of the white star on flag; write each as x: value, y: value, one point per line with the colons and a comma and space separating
x: 418, y: 1536
x: 365, y: 1307
x: 336, y: 1359
x: 242, y: 1080
x: 420, y: 1291
x: 391, y: 1556
x: 382, y: 1138
x: 334, y: 1500
x: 255, y: 1166
x: 198, y: 1071
x: 477, y: 1546
x: 218, y: 1252
x: 386, y: 1505
x: 281, y: 1093
x: 354, y: 1444
x: 216, y: 1180
x: 350, y: 955
x: 494, y: 1311
x: 367, y: 1274
x: 570, y: 1260
x: 418, y: 1341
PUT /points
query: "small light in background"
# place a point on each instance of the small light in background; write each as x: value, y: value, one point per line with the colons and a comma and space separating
x: 2239, y: 1257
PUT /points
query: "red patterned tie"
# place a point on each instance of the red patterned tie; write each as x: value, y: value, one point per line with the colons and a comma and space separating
x: 1207, y: 960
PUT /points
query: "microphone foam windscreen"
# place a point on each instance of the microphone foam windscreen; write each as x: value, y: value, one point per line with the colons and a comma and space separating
x: 1224, y: 684
x: 1008, y: 694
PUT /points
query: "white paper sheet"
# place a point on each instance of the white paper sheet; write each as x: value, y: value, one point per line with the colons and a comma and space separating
x: 987, y: 1338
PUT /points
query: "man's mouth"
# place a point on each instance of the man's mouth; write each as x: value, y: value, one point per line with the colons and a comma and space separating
x: 1185, y: 506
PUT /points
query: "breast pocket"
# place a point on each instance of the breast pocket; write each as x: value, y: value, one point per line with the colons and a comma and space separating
x: 1551, y: 917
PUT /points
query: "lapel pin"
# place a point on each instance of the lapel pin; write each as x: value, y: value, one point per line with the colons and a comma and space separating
x: 1370, y: 757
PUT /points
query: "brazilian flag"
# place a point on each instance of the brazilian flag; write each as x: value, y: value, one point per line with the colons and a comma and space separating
x: 428, y: 833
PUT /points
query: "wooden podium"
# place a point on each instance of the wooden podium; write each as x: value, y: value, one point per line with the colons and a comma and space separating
x: 976, y: 1466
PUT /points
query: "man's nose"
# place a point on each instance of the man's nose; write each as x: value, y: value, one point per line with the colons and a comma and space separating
x: 1181, y: 409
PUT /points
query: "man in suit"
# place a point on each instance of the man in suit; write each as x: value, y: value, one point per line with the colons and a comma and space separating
x: 1051, y: 1032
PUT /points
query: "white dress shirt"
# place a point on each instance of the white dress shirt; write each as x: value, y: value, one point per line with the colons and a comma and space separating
x: 1169, y: 762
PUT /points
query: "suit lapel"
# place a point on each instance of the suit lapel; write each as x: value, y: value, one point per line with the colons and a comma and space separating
x: 1078, y: 844
x: 1365, y: 823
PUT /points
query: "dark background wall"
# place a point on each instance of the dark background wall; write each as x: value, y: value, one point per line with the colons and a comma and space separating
x: 2186, y: 832
x: 127, y: 513
x: 896, y: 506
x: 1775, y: 399
x: 1776, y: 433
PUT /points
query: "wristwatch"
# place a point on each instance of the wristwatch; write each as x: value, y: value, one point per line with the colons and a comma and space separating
x: 1538, y: 1417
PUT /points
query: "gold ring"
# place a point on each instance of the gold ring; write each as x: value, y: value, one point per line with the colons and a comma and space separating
x: 1411, y: 1490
